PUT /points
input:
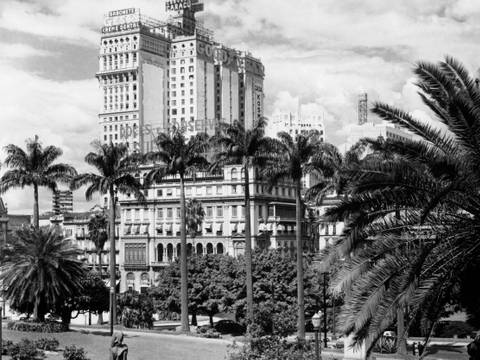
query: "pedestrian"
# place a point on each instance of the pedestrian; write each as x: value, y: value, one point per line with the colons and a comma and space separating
x: 118, y: 350
x: 473, y: 348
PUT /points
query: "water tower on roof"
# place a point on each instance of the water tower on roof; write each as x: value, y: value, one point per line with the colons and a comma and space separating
x: 183, y: 13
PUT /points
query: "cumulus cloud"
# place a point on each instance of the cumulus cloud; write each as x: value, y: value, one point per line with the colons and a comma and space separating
x: 321, y: 54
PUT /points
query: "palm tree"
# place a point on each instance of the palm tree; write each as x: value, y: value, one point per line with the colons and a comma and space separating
x: 40, y: 271
x: 237, y: 145
x: 194, y: 216
x: 34, y: 167
x: 295, y: 158
x: 115, y: 168
x: 413, y: 213
x: 97, y: 229
x: 178, y: 157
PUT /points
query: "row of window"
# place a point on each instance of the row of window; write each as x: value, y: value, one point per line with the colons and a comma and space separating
x: 119, y: 78
x: 120, y: 44
x: 119, y: 118
x: 171, y: 213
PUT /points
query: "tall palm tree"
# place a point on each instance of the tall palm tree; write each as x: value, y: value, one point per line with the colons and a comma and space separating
x: 97, y: 229
x: 40, y: 271
x: 114, y: 174
x: 178, y: 157
x: 248, y: 147
x: 413, y: 215
x: 295, y: 158
x: 34, y: 167
x: 195, y: 214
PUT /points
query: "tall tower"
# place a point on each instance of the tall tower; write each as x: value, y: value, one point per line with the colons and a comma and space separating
x: 133, y: 67
x: 362, y: 108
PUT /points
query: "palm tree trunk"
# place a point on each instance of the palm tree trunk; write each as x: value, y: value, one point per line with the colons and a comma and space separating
x: 112, y: 260
x: 401, y: 340
x: 100, y: 263
x: 300, y: 294
x: 248, y: 248
x: 36, y: 218
x: 183, y: 261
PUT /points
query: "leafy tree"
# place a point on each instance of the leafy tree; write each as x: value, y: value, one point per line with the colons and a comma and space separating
x: 92, y: 298
x: 194, y: 216
x: 210, y: 291
x: 248, y: 147
x: 178, y: 157
x: 136, y: 310
x: 114, y: 174
x: 295, y: 158
x: 34, y: 167
x: 413, y: 214
x: 97, y: 229
x: 40, y: 270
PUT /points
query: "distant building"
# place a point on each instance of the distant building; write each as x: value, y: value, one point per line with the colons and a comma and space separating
x: 328, y: 231
x: 74, y: 226
x: 367, y: 128
x: 62, y: 202
x: 10, y: 223
x: 295, y: 124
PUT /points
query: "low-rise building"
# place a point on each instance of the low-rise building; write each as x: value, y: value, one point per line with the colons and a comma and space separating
x: 150, y: 230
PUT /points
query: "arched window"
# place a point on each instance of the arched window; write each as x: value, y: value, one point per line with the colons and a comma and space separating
x: 242, y: 172
x: 179, y: 250
x: 170, y: 252
x: 234, y: 174
x: 199, y: 249
x: 160, y: 253
x: 209, y: 248
x: 145, y: 280
x: 219, y: 248
x: 189, y: 249
x: 131, y: 281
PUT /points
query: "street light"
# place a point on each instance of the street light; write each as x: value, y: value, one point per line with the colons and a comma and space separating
x: 316, y: 322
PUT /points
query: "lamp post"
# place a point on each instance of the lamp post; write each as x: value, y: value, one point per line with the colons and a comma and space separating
x: 316, y: 322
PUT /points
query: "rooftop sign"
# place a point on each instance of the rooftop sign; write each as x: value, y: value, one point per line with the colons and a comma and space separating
x: 121, y: 20
x: 173, y: 5
x: 122, y: 12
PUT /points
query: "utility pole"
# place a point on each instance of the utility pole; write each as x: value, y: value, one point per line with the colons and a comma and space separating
x: 325, y: 342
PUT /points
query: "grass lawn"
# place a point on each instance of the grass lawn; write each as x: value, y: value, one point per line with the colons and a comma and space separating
x: 141, y: 346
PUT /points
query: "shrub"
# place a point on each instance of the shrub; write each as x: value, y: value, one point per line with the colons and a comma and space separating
x: 25, y: 350
x: 448, y: 329
x: 29, y: 326
x: 271, y: 348
x: 47, y: 344
x: 74, y: 353
x: 7, y: 346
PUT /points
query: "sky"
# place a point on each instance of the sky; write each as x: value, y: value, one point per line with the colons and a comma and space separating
x: 321, y: 53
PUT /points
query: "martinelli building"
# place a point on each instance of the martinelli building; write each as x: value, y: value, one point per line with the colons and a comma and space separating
x: 158, y: 74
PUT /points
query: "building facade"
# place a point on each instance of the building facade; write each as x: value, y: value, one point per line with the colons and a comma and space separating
x: 295, y: 124
x: 150, y: 231
x: 157, y: 75
x: 62, y: 202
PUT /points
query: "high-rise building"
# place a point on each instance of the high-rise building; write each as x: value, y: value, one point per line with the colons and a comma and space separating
x: 295, y: 124
x: 157, y: 75
x: 62, y: 202
x: 362, y: 108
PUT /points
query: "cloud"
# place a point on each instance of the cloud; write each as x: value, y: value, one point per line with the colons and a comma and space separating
x: 21, y: 51
x: 319, y: 53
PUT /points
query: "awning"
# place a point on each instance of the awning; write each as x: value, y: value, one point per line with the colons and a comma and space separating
x: 208, y: 227
x: 128, y: 229
x: 270, y: 227
x: 137, y: 229
x: 169, y: 227
x: 145, y: 229
x: 241, y: 227
x: 107, y: 282
x: 176, y: 228
x: 262, y: 227
x: 219, y: 227
x: 281, y: 228
x: 235, y: 227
